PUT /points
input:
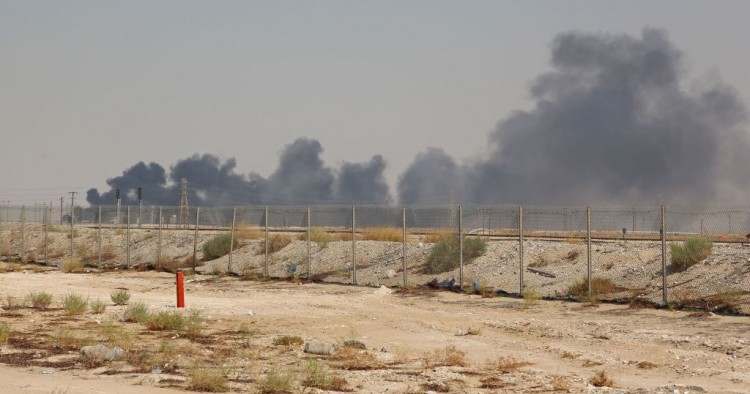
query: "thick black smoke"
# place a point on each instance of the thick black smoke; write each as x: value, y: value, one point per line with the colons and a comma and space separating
x: 301, y: 178
x: 613, y: 122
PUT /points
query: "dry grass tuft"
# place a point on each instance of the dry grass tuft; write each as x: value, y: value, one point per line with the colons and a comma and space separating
x: 72, y: 265
x: 68, y: 339
x: 244, y: 232
x: 288, y: 340
x: 506, y: 365
x: 5, y: 332
x: 559, y: 383
x: 277, y: 243
x: 136, y: 313
x: 207, y: 379
x: 98, y: 307
x: 318, y: 376
x: 437, y: 236
x: 276, y: 383
x: 74, y: 304
x: 353, y: 359
x: 384, y: 234
x: 120, y: 297
x: 646, y: 365
x: 599, y: 286
x: 41, y: 300
x: 449, y: 356
x: 601, y: 380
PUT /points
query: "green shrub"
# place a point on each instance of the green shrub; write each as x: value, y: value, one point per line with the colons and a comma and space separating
x: 136, y: 313
x: 217, y: 246
x: 41, y: 300
x: 120, y: 297
x: 445, y: 254
x: 165, y: 320
x: 690, y: 252
x: 74, y: 304
x: 193, y: 322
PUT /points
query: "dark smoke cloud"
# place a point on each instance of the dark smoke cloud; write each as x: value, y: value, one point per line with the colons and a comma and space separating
x: 301, y: 178
x: 611, y: 123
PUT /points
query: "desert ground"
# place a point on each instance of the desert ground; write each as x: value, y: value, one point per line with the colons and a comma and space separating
x: 414, y: 340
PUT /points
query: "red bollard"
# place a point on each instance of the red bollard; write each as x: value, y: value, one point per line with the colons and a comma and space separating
x: 180, y: 289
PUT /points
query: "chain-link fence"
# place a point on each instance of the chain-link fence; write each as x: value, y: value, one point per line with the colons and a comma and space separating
x: 618, y: 254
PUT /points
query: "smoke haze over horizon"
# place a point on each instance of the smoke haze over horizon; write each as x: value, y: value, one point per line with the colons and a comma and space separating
x: 616, y: 120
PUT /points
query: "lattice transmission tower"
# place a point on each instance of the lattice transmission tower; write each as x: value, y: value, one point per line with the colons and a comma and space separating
x: 184, y: 208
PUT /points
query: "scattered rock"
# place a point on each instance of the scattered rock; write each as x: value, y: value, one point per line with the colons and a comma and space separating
x: 320, y: 348
x: 390, y: 274
x: 462, y: 333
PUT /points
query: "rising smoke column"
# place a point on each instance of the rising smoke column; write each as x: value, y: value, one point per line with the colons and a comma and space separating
x: 611, y: 123
x: 362, y: 182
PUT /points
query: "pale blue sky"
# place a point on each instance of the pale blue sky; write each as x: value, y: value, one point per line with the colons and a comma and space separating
x: 88, y: 88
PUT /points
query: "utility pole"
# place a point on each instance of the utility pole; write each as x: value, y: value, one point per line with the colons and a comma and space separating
x: 62, y: 198
x: 140, y: 204
x: 72, y: 214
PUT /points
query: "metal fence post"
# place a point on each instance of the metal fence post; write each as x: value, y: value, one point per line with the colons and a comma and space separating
x: 47, y: 214
x: 158, y: 239
x: 520, y: 250
x: 664, y: 255
x: 195, y: 236
x: 588, y: 249
x: 231, y: 240
x: 127, y: 237
x: 309, y: 256
x: 265, y: 262
x: 460, y: 247
x: 72, y: 233
x: 99, y: 238
x: 354, y: 246
x: 403, y: 243
x: 23, y: 234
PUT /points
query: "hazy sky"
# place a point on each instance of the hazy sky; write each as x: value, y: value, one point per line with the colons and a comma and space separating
x: 89, y: 88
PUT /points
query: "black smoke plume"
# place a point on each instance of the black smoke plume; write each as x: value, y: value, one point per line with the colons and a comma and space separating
x: 613, y: 122
x: 301, y: 178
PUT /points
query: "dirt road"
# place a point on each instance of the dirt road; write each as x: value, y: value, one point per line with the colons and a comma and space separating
x: 510, y: 345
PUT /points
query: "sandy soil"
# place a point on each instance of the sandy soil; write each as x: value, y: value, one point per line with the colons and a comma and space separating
x: 518, y: 346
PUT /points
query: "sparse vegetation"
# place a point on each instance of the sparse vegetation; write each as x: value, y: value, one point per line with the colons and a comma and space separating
x: 278, y: 242
x: 530, y: 295
x: 217, y: 246
x: 98, y: 307
x: 317, y: 375
x: 353, y: 359
x: 41, y: 300
x: 319, y: 236
x: 68, y: 339
x: 506, y: 365
x: 120, y: 297
x: 276, y: 383
x: 136, y: 313
x: 599, y: 286
x: 690, y: 252
x: 74, y: 304
x: 288, y: 340
x: 72, y: 265
x: 383, y: 234
x: 165, y: 320
x: 116, y: 335
x: 208, y: 379
x: 5, y: 332
x: 11, y: 302
x: 445, y: 255
x: 449, y: 356
x: 244, y: 232
x: 601, y: 380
